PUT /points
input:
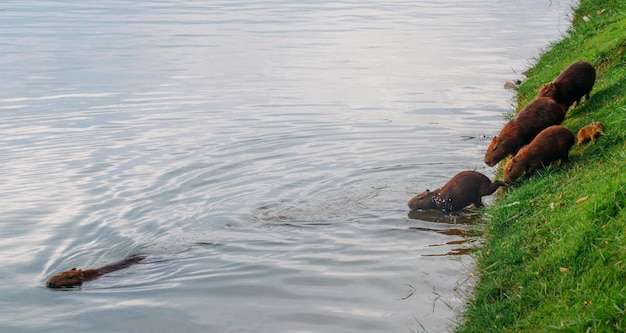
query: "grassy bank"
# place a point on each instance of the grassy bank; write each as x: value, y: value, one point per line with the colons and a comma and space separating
x: 554, y: 257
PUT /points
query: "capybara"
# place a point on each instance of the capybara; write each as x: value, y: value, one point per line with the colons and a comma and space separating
x: 590, y: 132
x: 536, y: 116
x: 571, y: 85
x: 75, y: 277
x: 550, y: 145
x: 465, y: 188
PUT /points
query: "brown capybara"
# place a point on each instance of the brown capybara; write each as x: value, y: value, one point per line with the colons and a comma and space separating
x: 536, y: 116
x: 465, y: 188
x: 550, y: 145
x: 75, y: 277
x: 571, y: 85
x: 590, y: 132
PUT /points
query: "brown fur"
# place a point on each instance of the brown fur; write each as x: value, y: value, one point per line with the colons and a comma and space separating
x: 75, y: 277
x: 590, y: 132
x: 536, y: 116
x: 550, y: 145
x: 465, y: 188
x: 571, y: 85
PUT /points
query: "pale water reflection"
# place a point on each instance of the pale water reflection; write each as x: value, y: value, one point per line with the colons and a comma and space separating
x: 260, y: 153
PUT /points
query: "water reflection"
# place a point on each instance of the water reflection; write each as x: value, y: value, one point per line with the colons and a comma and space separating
x: 467, y: 216
x: 461, y: 225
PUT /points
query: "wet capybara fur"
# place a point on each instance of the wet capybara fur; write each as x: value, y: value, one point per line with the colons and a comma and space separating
x: 590, y: 132
x: 76, y: 277
x: 551, y: 145
x: 536, y: 116
x: 571, y: 85
x: 465, y: 188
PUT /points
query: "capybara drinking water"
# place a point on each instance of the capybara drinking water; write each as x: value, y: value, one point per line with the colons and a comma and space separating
x: 571, y: 85
x: 536, y: 116
x: 550, y: 145
x: 465, y: 188
x: 590, y: 132
x: 75, y: 277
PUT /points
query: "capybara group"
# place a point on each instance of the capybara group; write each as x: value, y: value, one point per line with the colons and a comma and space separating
x: 590, y: 132
x: 536, y: 116
x: 465, y: 188
x: 571, y: 85
x: 550, y: 145
x: 76, y: 277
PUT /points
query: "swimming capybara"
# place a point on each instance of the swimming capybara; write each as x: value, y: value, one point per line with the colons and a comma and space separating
x: 465, y: 188
x: 75, y: 277
x: 571, y: 85
x: 590, y: 132
x: 536, y: 116
x: 550, y: 145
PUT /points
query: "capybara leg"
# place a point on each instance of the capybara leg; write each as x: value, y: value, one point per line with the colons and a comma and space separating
x: 487, y: 190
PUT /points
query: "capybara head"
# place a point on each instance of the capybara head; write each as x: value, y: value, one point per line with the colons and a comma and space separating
x: 598, y: 126
x: 70, y: 278
x: 512, y: 170
x: 548, y: 90
x: 424, y: 200
x: 496, y: 151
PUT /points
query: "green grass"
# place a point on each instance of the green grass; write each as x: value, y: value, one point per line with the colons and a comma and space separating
x: 554, y: 255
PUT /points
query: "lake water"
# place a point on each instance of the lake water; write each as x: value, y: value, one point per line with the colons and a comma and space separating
x: 260, y: 153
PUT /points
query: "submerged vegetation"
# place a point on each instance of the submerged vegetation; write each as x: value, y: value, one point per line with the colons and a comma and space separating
x: 554, y: 256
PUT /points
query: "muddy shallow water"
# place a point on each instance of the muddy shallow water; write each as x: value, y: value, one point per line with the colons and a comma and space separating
x: 260, y: 153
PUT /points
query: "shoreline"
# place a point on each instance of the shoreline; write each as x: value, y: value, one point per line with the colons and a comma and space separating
x: 554, y: 252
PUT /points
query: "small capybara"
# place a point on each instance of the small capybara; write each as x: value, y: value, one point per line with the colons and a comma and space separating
x: 571, y: 85
x: 550, y: 145
x: 75, y: 277
x: 536, y: 116
x: 590, y: 132
x: 465, y: 188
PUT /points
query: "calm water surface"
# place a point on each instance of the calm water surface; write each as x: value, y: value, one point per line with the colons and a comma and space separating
x: 260, y: 153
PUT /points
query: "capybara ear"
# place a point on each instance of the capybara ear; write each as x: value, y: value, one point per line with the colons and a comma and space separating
x: 545, y: 89
x: 495, y: 142
x: 514, y: 159
x: 73, y: 269
x: 428, y: 193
